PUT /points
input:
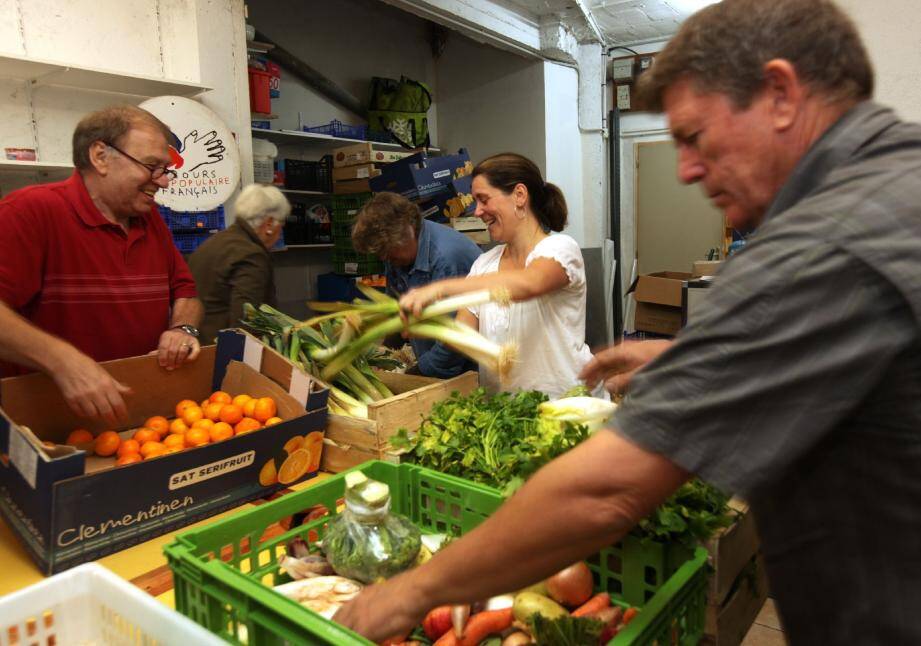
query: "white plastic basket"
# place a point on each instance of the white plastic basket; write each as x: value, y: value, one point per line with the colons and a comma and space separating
x: 90, y: 605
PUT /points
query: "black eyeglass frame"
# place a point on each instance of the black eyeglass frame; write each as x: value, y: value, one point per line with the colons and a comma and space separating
x: 152, y: 168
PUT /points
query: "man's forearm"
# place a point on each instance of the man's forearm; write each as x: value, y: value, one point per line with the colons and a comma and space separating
x: 576, y: 505
x: 186, y: 311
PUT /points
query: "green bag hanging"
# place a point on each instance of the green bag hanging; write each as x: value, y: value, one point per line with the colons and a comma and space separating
x: 400, y: 107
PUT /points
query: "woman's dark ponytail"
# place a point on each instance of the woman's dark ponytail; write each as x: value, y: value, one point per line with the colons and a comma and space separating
x: 506, y: 170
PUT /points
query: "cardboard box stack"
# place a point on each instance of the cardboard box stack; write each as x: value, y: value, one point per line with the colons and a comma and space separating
x: 354, y: 166
x: 658, y: 301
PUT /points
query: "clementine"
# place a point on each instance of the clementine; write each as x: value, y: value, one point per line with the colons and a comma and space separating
x: 192, y: 414
x: 231, y: 414
x: 178, y: 426
x: 145, y: 435
x: 150, y: 448
x: 128, y: 446
x: 249, y: 408
x: 203, y: 423
x: 128, y: 458
x: 247, y: 425
x: 220, y: 431
x: 272, y: 421
x: 220, y: 397
x: 157, y: 423
x: 197, y: 437
x: 185, y: 403
x: 264, y: 409
x: 106, y: 443
x: 79, y: 436
x: 174, y: 441
x: 213, y: 411
x: 240, y: 400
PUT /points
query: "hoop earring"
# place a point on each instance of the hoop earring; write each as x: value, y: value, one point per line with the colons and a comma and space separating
x: 522, y: 216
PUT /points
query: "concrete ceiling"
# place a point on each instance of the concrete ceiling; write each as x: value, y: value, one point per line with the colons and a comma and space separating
x: 621, y: 22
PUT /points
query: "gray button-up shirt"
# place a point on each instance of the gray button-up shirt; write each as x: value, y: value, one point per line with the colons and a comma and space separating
x: 800, y: 386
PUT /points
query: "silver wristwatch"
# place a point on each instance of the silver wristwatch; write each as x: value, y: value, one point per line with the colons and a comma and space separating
x: 191, y: 330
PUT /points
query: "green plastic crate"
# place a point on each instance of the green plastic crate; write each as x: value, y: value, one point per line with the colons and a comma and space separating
x: 225, y: 586
x: 346, y: 207
x: 352, y: 263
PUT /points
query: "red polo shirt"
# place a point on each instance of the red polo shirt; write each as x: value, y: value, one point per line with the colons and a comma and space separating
x: 75, y: 274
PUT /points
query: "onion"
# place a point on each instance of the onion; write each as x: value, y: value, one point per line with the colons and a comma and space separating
x: 572, y: 586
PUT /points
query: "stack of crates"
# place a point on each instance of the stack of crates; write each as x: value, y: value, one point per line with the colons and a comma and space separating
x: 191, y: 229
x: 345, y: 259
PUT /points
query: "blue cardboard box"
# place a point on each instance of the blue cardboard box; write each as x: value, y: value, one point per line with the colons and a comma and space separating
x: 68, y: 506
x: 420, y: 177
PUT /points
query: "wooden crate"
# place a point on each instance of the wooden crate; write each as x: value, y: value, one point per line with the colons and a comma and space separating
x: 351, y: 441
x: 738, y: 583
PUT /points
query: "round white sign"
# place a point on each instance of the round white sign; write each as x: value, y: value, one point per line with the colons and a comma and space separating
x: 204, y: 152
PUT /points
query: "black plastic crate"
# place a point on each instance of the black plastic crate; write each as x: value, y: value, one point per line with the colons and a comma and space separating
x: 303, y: 175
x: 295, y: 229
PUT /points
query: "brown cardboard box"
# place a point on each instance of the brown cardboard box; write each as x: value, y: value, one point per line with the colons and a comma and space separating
x: 351, y: 441
x: 658, y: 302
x: 365, y: 154
x: 706, y: 267
x: 347, y: 186
x: 359, y: 171
x: 68, y: 506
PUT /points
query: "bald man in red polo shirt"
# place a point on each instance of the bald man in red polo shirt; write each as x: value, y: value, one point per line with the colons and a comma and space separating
x: 88, y: 270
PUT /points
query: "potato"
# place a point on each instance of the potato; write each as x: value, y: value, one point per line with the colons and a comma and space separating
x: 529, y: 603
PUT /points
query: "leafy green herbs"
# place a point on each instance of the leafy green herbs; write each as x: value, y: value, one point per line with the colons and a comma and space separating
x: 691, y: 514
x: 497, y: 440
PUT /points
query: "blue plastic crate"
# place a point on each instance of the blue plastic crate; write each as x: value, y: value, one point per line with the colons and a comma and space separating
x: 189, y: 242
x: 338, y: 129
x: 188, y: 220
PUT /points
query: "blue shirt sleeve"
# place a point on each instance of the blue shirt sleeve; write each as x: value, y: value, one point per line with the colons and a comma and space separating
x: 439, y: 361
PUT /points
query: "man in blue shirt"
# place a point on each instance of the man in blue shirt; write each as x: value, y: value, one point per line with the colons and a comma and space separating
x: 415, y: 252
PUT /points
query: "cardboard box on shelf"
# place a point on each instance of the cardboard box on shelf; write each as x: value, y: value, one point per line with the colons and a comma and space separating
x: 69, y: 507
x: 421, y: 177
x: 349, y: 186
x: 351, y: 441
x: 365, y: 153
x: 468, y: 224
x: 705, y: 267
x: 658, y: 301
x: 359, y: 171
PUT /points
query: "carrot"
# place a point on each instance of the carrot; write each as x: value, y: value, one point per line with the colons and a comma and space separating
x: 448, y: 639
x: 485, y: 623
x: 599, y: 602
x: 629, y: 614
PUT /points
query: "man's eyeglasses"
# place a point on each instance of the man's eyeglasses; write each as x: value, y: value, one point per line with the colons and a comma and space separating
x: 156, y: 171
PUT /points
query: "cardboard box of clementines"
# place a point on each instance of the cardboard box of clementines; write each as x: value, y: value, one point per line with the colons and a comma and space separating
x: 69, y: 506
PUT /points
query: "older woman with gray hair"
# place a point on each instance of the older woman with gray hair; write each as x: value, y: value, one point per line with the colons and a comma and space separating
x: 233, y: 266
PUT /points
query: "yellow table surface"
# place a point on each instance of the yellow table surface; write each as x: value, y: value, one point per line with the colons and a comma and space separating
x: 19, y: 570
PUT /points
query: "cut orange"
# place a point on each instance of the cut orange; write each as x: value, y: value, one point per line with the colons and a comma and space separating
x: 247, y: 425
x: 107, y: 443
x: 197, y: 437
x: 220, y: 397
x: 231, y: 414
x: 294, y: 467
x: 128, y: 458
x: 145, y: 435
x: 178, y: 426
x: 264, y: 409
x: 220, y: 431
x: 157, y: 423
x: 79, y: 436
x: 185, y: 403
x: 174, y: 441
x: 128, y: 446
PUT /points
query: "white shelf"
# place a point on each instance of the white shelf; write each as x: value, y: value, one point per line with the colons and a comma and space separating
x: 90, y: 78
x: 299, y: 192
x: 12, y: 164
x: 316, y: 140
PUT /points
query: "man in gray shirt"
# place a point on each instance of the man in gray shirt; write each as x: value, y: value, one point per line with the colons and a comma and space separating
x: 798, y: 389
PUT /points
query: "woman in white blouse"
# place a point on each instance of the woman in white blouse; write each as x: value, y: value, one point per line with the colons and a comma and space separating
x: 542, y: 270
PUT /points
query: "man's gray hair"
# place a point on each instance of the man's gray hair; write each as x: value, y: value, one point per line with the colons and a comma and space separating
x: 259, y: 201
